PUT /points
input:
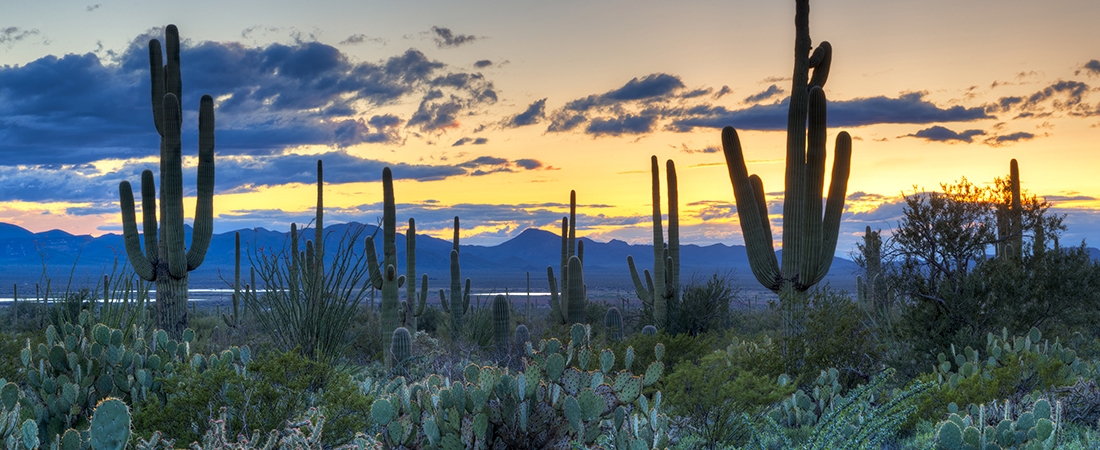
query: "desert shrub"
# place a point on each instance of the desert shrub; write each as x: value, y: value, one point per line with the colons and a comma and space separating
x: 680, y: 347
x: 278, y: 386
x: 364, y: 337
x: 712, y: 394
x: 841, y: 339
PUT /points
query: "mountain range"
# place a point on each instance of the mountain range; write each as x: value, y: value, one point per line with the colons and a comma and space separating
x: 25, y: 257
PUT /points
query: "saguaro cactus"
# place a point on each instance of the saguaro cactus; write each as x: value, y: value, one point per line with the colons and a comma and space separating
x: 809, y: 239
x: 1010, y: 230
x: 232, y: 320
x: 460, y: 298
x: 560, y: 305
x: 613, y: 324
x: 385, y: 277
x: 502, y: 322
x: 666, y: 258
x: 415, y: 302
x: 166, y: 259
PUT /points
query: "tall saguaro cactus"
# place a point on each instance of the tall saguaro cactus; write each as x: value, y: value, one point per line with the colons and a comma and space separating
x: 166, y: 260
x: 809, y: 237
x: 415, y: 302
x: 385, y: 276
x: 568, y: 307
x: 1010, y: 218
x: 460, y: 298
x: 666, y: 258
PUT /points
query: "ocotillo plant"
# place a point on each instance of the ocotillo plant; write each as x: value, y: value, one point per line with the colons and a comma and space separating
x: 460, y: 298
x: 560, y: 304
x: 415, y: 302
x: 809, y: 239
x: 666, y: 259
x: 502, y: 322
x: 385, y: 277
x: 167, y: 260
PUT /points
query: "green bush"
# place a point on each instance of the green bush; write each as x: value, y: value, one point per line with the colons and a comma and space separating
x: 841, y: 339
x: 713, y: 393
x: 278, y: 386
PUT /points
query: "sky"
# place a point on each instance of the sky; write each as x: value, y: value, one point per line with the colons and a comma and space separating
x: 494, y: 110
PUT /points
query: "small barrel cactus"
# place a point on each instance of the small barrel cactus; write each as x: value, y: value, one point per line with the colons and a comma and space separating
x: 649, y: 330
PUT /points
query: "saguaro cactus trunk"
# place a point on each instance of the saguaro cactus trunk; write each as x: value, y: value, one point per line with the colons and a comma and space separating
x: 166, y: 260
x: 809, y: 238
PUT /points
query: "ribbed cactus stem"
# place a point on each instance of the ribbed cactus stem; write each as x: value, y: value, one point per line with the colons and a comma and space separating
x: 1016, y: 214
x: 673, y: 261
x: 400, y: 348
x: 576, y: 299
x: 390, y: 317
x: 459, y: 298
x: 502, y: 322
x: 523, y: 336
x: 660, y: 308
x: 166, y: 259
x: 809, y: 234
x: 613, y: 324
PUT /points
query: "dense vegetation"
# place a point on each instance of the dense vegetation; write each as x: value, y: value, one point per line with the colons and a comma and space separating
x: 972, y: 327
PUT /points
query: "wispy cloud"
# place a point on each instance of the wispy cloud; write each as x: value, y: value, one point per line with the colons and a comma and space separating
x: 9, y: 36
x: 771, y: 92
x: 941, y: 134
x: 534, y: 113
x: 444, y: 37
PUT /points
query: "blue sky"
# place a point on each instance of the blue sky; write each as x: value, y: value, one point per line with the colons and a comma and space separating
x: 496, y: 110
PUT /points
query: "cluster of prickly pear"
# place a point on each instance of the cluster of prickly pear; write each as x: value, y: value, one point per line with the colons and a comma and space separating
x: 801, y: 409
x: 1003, y: 350
x: 565, y: 396
x: 1036, y: 429
x: 83, y: 363
x: 613, y: 324
x: 502, y: 322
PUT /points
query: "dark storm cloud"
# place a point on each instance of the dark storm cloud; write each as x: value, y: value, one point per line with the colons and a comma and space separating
x: 942, y: 134
x: 79, y: 108
x: 444, y: 37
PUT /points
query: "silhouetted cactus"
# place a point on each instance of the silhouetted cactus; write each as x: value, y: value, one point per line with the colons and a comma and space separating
x: 561, y: 301
x: 415, y: 302
x: 460, y: 298
x: 666, y: 258
x: 809, y: 238
x: 234, y: 319
x: 167, y: 260
x: 1010, y: 231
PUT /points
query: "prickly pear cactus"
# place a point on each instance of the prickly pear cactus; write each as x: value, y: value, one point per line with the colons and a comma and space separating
x: 83, y: 363
x: 1034, y: 429
x: 566, y: 396
x: 110, y: 429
